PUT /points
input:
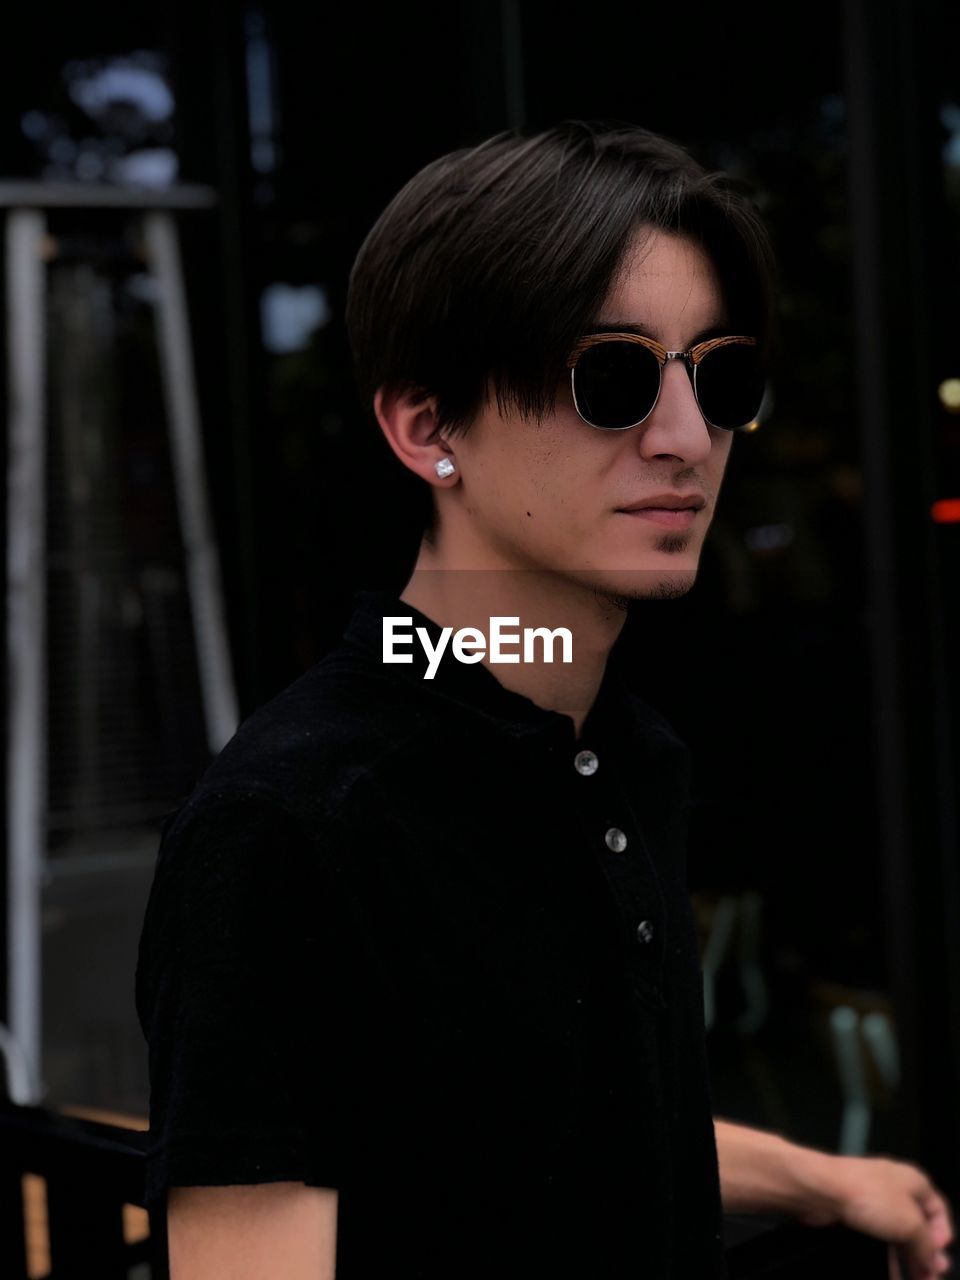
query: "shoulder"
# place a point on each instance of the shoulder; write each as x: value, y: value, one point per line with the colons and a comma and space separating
x: 334, y: 731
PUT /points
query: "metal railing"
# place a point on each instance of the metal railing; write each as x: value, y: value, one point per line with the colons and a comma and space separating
x: 91, y: 1170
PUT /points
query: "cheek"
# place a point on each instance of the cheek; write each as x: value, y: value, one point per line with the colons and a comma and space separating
x: 713, y: 466
x: 720, y: 454
x: 544, y: 478
x: 565, y: 482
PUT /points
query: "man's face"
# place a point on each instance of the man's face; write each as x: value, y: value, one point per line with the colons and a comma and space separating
x: 548, y: 496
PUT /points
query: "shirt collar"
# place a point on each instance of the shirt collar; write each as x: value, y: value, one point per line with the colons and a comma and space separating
x: 474, y: 686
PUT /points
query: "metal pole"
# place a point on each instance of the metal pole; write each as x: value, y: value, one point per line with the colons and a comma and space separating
x: 26, y: 644
x: 516, y: 110
x: 896, y: 200
x: 202, y: 561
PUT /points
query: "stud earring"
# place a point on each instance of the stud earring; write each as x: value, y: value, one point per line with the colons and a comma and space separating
x: 444, y: 467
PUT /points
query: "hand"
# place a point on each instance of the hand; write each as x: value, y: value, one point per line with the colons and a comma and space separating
x: 896, y: 1201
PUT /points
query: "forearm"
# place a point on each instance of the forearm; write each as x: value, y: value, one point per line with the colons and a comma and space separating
x: 762, y: 1172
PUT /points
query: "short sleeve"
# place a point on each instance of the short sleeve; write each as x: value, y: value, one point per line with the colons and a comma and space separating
x: 233, y: 994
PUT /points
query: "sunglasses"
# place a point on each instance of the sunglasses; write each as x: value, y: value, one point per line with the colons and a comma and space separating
x: 616, y: 379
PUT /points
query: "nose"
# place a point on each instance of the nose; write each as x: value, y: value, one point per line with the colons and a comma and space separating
x: 676, y: 428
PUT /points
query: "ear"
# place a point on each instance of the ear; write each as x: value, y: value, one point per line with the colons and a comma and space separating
x: 408, y: 419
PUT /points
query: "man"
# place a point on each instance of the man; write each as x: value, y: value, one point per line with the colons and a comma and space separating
x: 419, y: 972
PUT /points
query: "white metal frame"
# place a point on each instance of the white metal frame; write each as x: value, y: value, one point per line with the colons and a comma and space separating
x: 26, y: 229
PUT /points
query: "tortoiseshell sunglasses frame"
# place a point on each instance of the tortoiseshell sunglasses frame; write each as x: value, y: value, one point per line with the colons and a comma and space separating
x: 691, y: 358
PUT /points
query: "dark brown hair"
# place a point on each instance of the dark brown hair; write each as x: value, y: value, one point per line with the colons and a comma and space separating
x: 492, y: 260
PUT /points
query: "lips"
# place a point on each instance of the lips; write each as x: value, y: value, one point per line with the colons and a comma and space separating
x: 668, y: 502
x: 670, y: 517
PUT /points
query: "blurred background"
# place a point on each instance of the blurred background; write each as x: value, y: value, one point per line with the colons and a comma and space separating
x: 194, y: 494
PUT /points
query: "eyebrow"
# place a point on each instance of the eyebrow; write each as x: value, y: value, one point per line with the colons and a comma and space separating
x: 645, y: 331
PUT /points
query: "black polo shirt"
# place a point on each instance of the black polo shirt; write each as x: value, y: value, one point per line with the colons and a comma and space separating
x: 414, y: 940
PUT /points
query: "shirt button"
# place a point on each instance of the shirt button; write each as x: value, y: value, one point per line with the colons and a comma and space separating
x: 585, y: 762
x: 644, y: 931
x: 616, y: 840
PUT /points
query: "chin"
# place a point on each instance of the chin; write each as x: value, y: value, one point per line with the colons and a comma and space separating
x: 653, y: 583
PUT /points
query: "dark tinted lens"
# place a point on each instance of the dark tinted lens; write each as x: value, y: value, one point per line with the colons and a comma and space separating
x: 616, y: 383
x: 730, y: 385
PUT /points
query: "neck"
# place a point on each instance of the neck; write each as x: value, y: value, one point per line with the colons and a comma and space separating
x: 470, y: 597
